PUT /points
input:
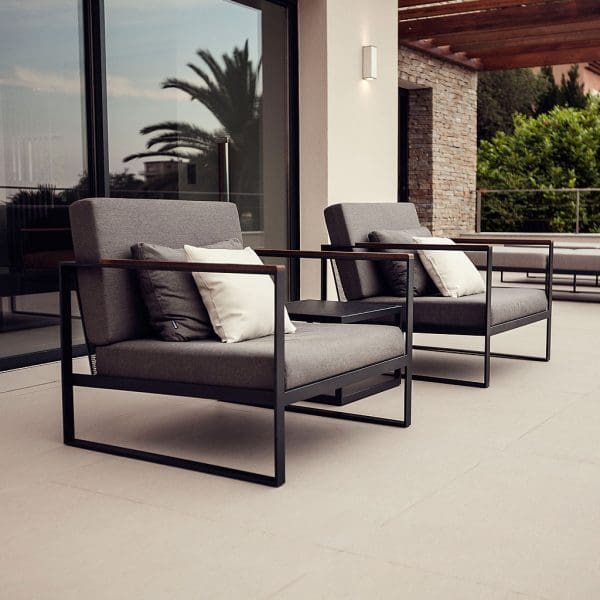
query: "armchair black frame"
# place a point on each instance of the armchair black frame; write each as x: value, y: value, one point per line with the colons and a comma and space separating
x: 486, y: 246
x: 279, y: 399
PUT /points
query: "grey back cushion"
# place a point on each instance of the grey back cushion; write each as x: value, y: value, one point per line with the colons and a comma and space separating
x: 175, y: 308
x: 394, y: 271
x: 111, y: 302
x: 351, y: 223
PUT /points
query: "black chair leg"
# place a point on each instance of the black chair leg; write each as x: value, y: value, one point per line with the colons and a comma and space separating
x: 279, y: 442
x: 487, y: 363
x: 408, y: 396
x: 548, y: 338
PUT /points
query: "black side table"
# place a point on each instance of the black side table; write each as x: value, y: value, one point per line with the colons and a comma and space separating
x: 354, y: 311
x: 329, y: 311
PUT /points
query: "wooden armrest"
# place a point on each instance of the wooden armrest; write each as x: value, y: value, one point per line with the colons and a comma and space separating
x: 506, y: 241
x: 335, y: 254
x: 450, y: 247
x: 165, y: 265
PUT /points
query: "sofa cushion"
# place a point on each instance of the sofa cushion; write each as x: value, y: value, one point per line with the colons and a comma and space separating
x: 439, y: 314
x: 452, y: 272
x: 394, y: 271
x: 577, y: 260
x: 316, y: 351
x: 535, y: 258
x: 515, y: 257
x: 240, y: 306
x: 175, y: 308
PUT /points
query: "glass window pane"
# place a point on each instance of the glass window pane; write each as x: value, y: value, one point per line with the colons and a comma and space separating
x: 197, y: 107
x: 41, y: 167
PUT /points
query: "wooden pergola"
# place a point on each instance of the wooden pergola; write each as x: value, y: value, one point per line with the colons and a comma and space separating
x: 487, y: 35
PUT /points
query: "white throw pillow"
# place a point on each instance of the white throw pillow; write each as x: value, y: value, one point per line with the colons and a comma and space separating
x: 452, y: 272
x: 240, y: 307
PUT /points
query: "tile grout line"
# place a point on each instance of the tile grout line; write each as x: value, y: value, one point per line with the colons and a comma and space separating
x: 30, y: 387
x: 393, y: 563
x: 434, y: 492
x: 286, y: 586
x: 552, y: 416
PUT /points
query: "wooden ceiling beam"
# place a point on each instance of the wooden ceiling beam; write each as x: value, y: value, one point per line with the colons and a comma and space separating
x: 520, y: 43
x: 472, y: 37
x: 463, y: 7
x: 409, y: 3
x: 564, y: 11
x: 557, y: 46
x: 539, y: 59
x: 445, y: 53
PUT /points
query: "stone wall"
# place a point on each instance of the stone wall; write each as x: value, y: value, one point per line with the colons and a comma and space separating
x: 442, y: 137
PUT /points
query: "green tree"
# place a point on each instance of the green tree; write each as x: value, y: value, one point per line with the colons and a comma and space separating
x: 549, y: 96
x: 231, y: 93
x: 572, y: 91
x: 560, y: 149
x: 501, y: 94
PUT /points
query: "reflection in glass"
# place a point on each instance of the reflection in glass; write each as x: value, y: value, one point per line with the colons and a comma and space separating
x: 41, y: 168
x: 194, y: 124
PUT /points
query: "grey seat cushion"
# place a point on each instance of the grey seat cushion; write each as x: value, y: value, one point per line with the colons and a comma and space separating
x: 175, y: 309
x: 577, y: 245
x: 513, y: 257
x: 467, y: 314
x: 394, y: 271
x: 519, y: 257
x: 314, y: 352
x: 581, y: 259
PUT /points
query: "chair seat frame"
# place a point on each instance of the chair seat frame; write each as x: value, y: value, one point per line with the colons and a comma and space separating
x: 278, y: 399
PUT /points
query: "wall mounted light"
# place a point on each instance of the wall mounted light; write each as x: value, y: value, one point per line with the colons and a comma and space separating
x: 369, y: 62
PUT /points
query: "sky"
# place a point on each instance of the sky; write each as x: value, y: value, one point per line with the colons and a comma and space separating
x: 41, y: 109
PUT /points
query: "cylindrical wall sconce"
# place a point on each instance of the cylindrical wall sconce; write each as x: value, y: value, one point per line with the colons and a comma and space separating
x: 369, y: 60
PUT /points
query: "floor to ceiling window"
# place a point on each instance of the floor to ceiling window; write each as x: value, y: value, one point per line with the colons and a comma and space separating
x: 184, y: 100
x: 42, y: 163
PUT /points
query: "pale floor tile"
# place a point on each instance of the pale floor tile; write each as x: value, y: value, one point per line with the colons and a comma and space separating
x: 326, y: 501
x: 12, y: 381
x: 573, y: 434
x: 353, y: 577
x: 526, y: 522
x: 63, y: 542
x: 24, y: 378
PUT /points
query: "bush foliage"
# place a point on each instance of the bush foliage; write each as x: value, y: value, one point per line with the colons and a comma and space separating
x: 558, y: 149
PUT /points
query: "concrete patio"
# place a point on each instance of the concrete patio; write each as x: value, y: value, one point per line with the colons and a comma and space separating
x: 491, y: 494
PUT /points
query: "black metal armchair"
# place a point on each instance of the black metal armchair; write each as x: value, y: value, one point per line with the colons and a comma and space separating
x: 497, y: 310
x: 275, y: 372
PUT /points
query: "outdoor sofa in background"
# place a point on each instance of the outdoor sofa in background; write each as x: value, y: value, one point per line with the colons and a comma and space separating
x: 570, y: 258
x: 273, y: 372
x: 484, y: 315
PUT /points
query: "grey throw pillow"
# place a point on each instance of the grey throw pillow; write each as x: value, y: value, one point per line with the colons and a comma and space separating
x: 394, y: 271
x: 175, y: 308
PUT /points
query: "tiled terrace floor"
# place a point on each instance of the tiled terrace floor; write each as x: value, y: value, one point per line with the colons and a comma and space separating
x: 492, y: 494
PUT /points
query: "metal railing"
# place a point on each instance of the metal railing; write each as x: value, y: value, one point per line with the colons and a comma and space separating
x: 555, y: 210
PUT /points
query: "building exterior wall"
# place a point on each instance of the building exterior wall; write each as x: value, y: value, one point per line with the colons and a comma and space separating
x: 442, y: 141
x: 348, y: 126
x: 420, y: 152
